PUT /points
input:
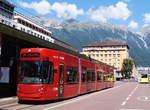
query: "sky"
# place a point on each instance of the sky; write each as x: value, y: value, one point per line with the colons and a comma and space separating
x: 134, y: 14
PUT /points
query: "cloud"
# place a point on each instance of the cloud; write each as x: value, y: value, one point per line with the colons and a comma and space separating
x: 147, y: 18
x: 63, y: 10
x: 43, y: 7
x: 102, y: 14
x: 133, y: 25
x: 145, y: 25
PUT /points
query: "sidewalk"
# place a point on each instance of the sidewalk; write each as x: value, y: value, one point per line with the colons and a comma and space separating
x: 8, y: 100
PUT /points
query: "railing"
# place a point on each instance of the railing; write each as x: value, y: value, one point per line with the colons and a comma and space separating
x: 31, y: 20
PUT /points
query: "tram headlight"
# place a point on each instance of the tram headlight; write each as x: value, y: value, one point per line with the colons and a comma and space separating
x: 41, y: 89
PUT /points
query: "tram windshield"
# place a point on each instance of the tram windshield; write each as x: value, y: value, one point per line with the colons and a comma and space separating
x: 35, y: 72
x: 144, y: 76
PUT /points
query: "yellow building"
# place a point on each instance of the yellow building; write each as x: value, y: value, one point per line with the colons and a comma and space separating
x: 111, y: 53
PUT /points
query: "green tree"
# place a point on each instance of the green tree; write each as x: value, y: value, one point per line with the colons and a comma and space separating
x: 127, y: 67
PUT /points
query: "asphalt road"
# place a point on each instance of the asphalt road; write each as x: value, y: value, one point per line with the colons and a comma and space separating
x: 123, y: 96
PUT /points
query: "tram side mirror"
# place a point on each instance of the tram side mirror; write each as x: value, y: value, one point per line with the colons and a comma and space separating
x: 55, y: 70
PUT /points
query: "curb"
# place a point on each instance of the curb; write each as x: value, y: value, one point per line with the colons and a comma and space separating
x: 9, y: 100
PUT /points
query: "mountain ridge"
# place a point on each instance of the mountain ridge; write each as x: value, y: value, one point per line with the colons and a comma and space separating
x: 80, y: 33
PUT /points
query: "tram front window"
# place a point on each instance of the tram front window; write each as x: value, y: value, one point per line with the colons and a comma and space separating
x: 144, y: 76
x: 35, y: 72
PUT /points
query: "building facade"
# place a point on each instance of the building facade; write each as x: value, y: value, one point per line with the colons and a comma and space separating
x: 6, y: 9
x: 6, y: 12
x: 111, y: 53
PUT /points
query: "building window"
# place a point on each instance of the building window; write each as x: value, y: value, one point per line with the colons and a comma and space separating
x: 28, y: 31
x: 23, y: 29
x: 47, y: 39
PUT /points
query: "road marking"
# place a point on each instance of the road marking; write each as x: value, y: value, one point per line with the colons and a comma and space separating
x: 130, y: 109
x: 10, y: 98
x: 81, y: 98
x: 3, y: 106
x: 143, y: 98
x: 123, y: 103
x: 129, y: 96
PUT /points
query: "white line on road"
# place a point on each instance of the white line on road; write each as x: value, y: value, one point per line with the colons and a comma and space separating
x: 81, y: 98
x: 123, y: 103
x: 129, y: 109
x: 129, y: 96
x: 143, y: 98
x: 3, y: 106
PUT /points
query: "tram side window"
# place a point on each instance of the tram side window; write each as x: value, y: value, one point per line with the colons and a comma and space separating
x: 105, y: 78
x: 84, y: 74
x: 75, y: 75
x: 99, y: 76
x: 93, y: 76
x: 108, y: 78
x: 72, y: 75
x: 89, y: 76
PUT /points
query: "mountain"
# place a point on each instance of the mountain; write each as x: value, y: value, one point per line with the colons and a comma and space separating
x: 80, y: 33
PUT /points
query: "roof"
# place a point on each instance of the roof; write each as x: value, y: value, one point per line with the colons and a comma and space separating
x: 106, y: 44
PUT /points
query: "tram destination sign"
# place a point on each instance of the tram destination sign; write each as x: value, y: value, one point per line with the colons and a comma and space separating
x: 31, y: 54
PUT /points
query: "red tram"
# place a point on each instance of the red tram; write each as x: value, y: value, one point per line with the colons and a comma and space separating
x: 46, y: 74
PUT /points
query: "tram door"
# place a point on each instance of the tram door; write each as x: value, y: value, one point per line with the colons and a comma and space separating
x: 61, y: 80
